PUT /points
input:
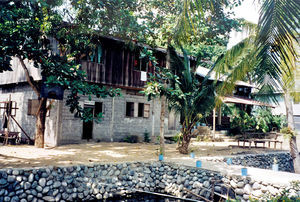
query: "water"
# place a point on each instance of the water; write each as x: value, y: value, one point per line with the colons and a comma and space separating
x: 143, y: 197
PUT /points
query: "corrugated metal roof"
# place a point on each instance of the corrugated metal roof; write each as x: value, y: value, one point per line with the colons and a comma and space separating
x: 202, y: 71
x: 18, y: 74
x: 240, y: 100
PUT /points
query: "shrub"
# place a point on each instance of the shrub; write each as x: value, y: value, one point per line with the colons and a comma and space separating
x: 131, y: 139
x: 146, y: 136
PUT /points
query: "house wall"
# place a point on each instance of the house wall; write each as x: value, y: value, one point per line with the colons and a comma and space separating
x: 115, y: 125
x: 21, y: 94
x: 63, y: 128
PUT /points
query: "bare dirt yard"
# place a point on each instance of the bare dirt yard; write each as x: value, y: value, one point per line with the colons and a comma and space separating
x: 91, y: 152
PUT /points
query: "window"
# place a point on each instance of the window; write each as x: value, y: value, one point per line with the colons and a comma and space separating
x: 98, y: 108
x: 141, y: 109
x: 33, y: 106
x: 140, y: 64
x: 130, y: 109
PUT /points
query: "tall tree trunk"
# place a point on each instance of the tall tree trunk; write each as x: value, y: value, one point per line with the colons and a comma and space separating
x: 184, y: 147
x: 40, y: 123
x: 293, y: 142
x: 162, y: 125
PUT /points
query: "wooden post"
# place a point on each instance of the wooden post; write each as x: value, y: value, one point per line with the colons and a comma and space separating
x: 153, y: 120
x: 214, y: 123
x: 219, y: 116
x: 111, y: 129
x: 7, y: 114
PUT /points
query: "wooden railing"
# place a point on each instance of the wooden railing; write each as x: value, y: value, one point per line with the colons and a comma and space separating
x: 98, y: 73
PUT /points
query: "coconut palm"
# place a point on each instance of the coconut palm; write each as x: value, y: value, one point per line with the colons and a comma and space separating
x: 186, y: 95
x: 267, y: 57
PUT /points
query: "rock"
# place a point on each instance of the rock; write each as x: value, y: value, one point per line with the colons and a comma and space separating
x: 247, y: 189
x: 39, y: 189
x: 272, y: 190
x: 29, y: 198
x: 48, y: 198
x: 105, y: 196
x: 240, y: 184
x: 15, y: 172
x: 46, y: 190
x: 27, y: 185
x: 42, y: 182
x: 218, y: 189
x: 246, y: 196
x: 50, y: 182
x: 99, y: 196
x: 197, y: 185
x: 263, y: 189
x: 257, y: 193
x: 239, y: 191
x: 3, y: 182
x: 56, y: 184
x: 256, y: 186
x: 6, y: 198
x: 233, y: 184
x: 15, y: 199
x: 206, y: 184
x: 11, y: 178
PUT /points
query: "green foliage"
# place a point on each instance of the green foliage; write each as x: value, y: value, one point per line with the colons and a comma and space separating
x: 146, y: 136
x: 288, y: 132
x: 185, y: 94
x: 26, y: 28
x: 261, y: 120
x: 178, y: 137
x: 131, y: 139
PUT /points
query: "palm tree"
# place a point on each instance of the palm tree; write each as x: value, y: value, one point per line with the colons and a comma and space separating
x: 185, y: 94
x: 269, y: 53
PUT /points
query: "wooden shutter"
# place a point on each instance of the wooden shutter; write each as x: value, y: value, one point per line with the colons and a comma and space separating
x: 33, y: 106
x: 146, y: 110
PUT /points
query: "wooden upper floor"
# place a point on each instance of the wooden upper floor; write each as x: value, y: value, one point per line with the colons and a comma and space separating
x: 113, y: 63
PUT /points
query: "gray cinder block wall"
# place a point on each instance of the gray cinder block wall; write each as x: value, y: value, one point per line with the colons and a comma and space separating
x: 63, y: 128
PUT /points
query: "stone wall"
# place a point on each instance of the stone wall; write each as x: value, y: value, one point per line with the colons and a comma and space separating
x: 265, y: 161
x: 107, y: 180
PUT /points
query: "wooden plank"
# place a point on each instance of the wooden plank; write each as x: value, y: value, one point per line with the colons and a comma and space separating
x: 127, y: 68
x: 104, y: 66
x: 122, y: 68
x: 131, y: 70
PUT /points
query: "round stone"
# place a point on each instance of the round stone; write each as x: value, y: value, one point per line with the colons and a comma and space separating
x: 42, y: 182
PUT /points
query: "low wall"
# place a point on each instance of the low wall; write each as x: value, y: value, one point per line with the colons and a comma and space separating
x: 265, y: 161
x: 106, y: 180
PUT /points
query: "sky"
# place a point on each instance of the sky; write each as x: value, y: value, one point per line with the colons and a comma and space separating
x: 249, y: 10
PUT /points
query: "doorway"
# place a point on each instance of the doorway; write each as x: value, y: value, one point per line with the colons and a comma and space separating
x: 87, y: 129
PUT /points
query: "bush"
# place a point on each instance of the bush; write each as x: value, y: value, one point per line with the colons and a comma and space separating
x: 261, y: 120
x: 131, y: 139
x: 146, y: 136
x: 177, y: 137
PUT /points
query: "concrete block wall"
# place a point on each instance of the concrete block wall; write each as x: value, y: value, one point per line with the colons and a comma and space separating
x: 121, y: 125
x: 68, y: 129
x: 21, y: 93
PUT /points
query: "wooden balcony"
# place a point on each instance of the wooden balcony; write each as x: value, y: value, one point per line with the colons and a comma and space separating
x: 119, y: 75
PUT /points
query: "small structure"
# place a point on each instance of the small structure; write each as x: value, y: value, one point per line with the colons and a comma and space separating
x: 241, y: 97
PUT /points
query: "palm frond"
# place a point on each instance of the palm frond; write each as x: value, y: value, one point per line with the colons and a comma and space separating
x: 277, y: 28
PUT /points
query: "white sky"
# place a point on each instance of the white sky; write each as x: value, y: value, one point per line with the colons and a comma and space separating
x: 249, y: 10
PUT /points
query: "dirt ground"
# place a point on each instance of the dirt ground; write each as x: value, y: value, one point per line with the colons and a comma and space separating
x: 89, y: 153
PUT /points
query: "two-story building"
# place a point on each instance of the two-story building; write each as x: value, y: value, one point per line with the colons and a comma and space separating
x: 113, y: 64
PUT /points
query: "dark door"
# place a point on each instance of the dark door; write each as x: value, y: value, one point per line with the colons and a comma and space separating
x: 87, y: 130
